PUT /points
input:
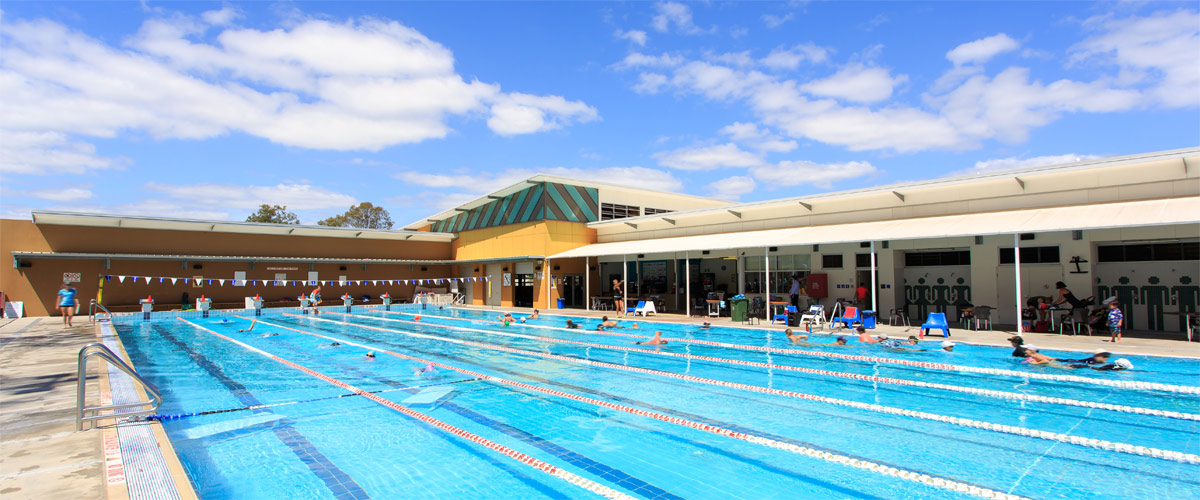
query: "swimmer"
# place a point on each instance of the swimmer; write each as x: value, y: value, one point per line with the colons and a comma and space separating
x: 571, y: 325
x: 1100, y: 358
x: 428, y: 371
x: 897, y: 344
x: 840, y: 341
x: 370, y: 354
x: 655, y: 340
x: 948, y: 346
x: 536, y: 315
x: 335, y: 344
x: 705, y: 325
x: 522, y: 320
x: 796, y: 338
x: 634, y: 327
x: 607, y: 323
x: 253, y: 323
x: 265, y: 335
x: 1018, y: 343
x: 864, y: 338
x: 1118, y: 365
x: 1033, y: 357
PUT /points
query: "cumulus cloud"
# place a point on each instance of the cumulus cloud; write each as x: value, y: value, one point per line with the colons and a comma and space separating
x: 674, y: 15
x: 856, y: 83
x: 362, y: 84
x: 635, y: 36
x: 750, y: 135
x: 650, y: 83
x: 49, y: 153
x: 982, y: 50
x: 60, y: 195
x: 732, y: 188
x: 822, y: 175
x: 1159, y: 50
x: 480, y: 183
x: 211, y: 196
x: 1017, y: 163
x: 639, y: 60
x: 791, y: 58
x: 708, y: 157
x: 775, y: 20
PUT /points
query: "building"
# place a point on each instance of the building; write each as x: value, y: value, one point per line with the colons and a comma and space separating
x: 1125, y: 226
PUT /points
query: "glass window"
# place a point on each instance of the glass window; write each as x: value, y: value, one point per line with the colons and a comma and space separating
x: 1031, y: 255
x: 612, y: 211
x: 831, y: 261
x: 1148, y: 252
x: 652, y: 211
x: 939, y: 258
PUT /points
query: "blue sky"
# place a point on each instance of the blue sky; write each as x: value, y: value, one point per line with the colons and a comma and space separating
x: 206, y: 110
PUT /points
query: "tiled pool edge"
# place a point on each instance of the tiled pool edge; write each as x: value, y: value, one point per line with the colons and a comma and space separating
x: 137, y: 455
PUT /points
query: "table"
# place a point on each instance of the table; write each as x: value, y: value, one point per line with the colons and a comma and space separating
x: 714, y: 307
x: 1054, y: 321
x: 1188, y: 322
x: 776, y: 304
x: 600, y: 303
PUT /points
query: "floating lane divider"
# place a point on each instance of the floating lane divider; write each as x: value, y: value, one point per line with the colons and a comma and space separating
x: 175, y: 416
x: 1123, y: 384
x: 964, y: 422
x: 1016, y: 396
x: 550, y: 469
x: 887, y: 470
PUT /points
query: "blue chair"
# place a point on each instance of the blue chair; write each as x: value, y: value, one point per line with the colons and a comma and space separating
x: 849, y: 316
x: 641, y: 304
x: 783, y: 317
x: 936, y: 321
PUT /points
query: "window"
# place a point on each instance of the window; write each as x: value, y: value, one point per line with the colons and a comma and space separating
x: 612, y: 211
x: 831, y: 261
x: 1031, y: 255
x: 862, y: 260
x: 940, y: 258
x: 652, y: 211
x: 1149, y: 252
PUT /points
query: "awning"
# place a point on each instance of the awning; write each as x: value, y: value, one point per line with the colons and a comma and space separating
x: 48, y: 217
x: 1039, y: 220
x: 254, y: 258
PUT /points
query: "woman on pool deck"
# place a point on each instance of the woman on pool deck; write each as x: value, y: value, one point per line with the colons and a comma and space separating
x: 618, y: 297
x: 655, y: 340
x: 66, y: 302
x: 315, y: 296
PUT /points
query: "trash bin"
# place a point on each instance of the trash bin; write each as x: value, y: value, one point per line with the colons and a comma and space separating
x: 868, y: 320
x: 737, y: 309
x: 562, y: 304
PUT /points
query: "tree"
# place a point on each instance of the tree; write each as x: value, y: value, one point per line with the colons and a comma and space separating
x: 273, y: 214
x: 364, y: 216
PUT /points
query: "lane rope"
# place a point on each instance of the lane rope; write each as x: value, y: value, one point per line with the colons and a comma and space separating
x: 964, y: 422
x: 1123, y: 384
x: 547, y: 468
x: 927, y: 479
x: 1016, y: 396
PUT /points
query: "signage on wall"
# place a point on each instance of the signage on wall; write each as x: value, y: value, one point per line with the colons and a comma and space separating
x: 283, y: 269
x: 507, y: 279
x: 71, y: 277
x: 196, y: 280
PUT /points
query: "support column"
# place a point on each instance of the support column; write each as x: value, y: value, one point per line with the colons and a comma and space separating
x: 687, y: 272
x: 546, y: 276
x: 767, y: 283
x: 624, y: 285
x: 874, y: 286
x: 1017, y: 270
x: 587, y: 284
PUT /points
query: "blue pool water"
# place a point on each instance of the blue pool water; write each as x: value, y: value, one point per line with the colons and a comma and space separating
x: 350, y: 447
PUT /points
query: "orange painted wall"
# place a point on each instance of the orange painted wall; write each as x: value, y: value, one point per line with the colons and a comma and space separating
x: 518, y: 240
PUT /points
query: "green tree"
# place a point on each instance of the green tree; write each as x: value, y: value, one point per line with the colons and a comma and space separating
x: 364, y: 216
x: 273, y: 214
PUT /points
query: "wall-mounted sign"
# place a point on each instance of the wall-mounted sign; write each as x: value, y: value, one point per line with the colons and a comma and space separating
x: 71, y: 277
x: 283, y: 269
x: 507, y: 279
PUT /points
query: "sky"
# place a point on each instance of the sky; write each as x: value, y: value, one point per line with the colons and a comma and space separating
x: 208, y: 109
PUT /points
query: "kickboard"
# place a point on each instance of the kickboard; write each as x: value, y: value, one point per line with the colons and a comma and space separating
x: 209, y: 430
x: 428, y: 396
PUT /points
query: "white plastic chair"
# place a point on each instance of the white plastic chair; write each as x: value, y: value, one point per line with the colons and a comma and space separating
x: 815, y: 315
x: 646, y: 310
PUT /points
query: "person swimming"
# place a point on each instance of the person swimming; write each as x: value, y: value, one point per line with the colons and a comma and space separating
x: 371, y: 354
x: 507, y: 319
x: 655, y: 340
x: 706, y: 325
x: 840, y: 341
x: 948, y: 346
x: 428, y: 371
x: 253, y: 323
x: 796, y: 338
x: 634, y: 327
x: 265, y: 335
x: 864, y: 338
x: 571, y: 325
x: 899, y: 345
x: 607, y: 323
x: 1033, y: 357
x: 335, y: 344
x: 1100, y: 358
x: 1018, y: 343
x: 536, y: 315
x: 1118, y: 365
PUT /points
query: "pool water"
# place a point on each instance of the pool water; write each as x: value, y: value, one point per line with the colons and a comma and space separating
x: 317, y: 444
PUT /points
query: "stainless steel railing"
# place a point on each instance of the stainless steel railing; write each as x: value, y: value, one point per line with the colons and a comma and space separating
x: 88, y: 413
x: 92, y: 311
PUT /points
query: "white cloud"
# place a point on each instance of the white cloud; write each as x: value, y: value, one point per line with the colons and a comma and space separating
x: 732, y: 188
x: 49, y: 153
x: 775, y: 20
x: 822, y: 175
x: 716, y: 82
x: 222, y: 17
x: 211, y: 196
x: 638, y: 60
x: 856, y: 83
x: 478, y: 183
x: 731, y: 58
x: 1016, y: 163
x: 674, y: 14
x: 61, y: 195
x: 1159, y: 50
x: 982, y: 50
x: 750, y: 135
x: 363, y: 84
x: 790, y: 58
x: 636, y: 36
x: 650, y: 83
x: 642, y: 177
x: 707, y: 157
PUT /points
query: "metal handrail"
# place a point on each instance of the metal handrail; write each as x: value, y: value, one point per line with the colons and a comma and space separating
x: 92, y: 311
x: 86, y: 413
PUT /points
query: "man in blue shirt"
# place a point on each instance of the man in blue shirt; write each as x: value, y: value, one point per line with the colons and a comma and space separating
x: 66, y: 303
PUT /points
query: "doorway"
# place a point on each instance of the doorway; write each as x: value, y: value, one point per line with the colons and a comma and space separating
x: 494, y: 284
x: 522, y: 290
x: 572, y: 291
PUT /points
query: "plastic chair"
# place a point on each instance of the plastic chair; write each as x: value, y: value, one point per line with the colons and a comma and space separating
x: 640, y: 305
x: 783, y: 317
x: 1074, y: 321
x: 936, y: 321
x: 898, y: 315
x: 645, y: 308
x: 849, y: 316
x: 815, y: 315
x: 700, y: 307
x: 983, y: 314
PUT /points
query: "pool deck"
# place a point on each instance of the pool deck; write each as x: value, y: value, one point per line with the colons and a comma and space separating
x: 1139, y: 346
x: 42, y: 456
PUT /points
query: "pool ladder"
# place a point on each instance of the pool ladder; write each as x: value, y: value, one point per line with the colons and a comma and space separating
x: 92, y: 311
x: 88, y: 413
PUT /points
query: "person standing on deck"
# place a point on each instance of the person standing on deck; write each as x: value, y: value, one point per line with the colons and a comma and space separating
x: 619, y: 297
x: 794, y: 292
x: 66, y: 303
x: 860, y: 295
x: 315, y: 296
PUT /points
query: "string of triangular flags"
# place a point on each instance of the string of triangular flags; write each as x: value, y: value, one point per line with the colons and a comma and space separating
x: 232, y: 282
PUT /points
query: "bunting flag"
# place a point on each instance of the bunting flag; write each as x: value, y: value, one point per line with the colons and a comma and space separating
x: 209, y: 282
x: 108, y: 278
x: 120, y: 279
x: 198, y: 281
x: 234, y: 282
x: 222, y: 282
x: 160, y: 280
x: 173, y: 280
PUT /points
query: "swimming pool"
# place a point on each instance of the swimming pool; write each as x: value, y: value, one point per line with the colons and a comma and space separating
x: 537, y: 411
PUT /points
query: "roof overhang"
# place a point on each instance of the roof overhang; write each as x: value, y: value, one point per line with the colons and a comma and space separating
x: 45, y: 217
x: 252, y: 258
x: 1066, y: 218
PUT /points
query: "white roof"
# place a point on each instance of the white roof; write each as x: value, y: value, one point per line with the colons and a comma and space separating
x: 1067, y: 218
x: 17, y: 254
x: 226, y: 226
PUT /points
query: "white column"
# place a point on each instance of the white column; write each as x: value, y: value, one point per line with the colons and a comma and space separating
x: 624, y: 285
x: 874, y: 286
x: 767, y: 282
x: 546, y: 276
x: 687, y: 272
x: 1017, y: 270
x: 587, y: 284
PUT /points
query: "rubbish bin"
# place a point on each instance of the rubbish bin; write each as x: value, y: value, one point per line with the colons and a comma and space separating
x: 868, y: 320
x: 737, y: 309
x: 562, y: 304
